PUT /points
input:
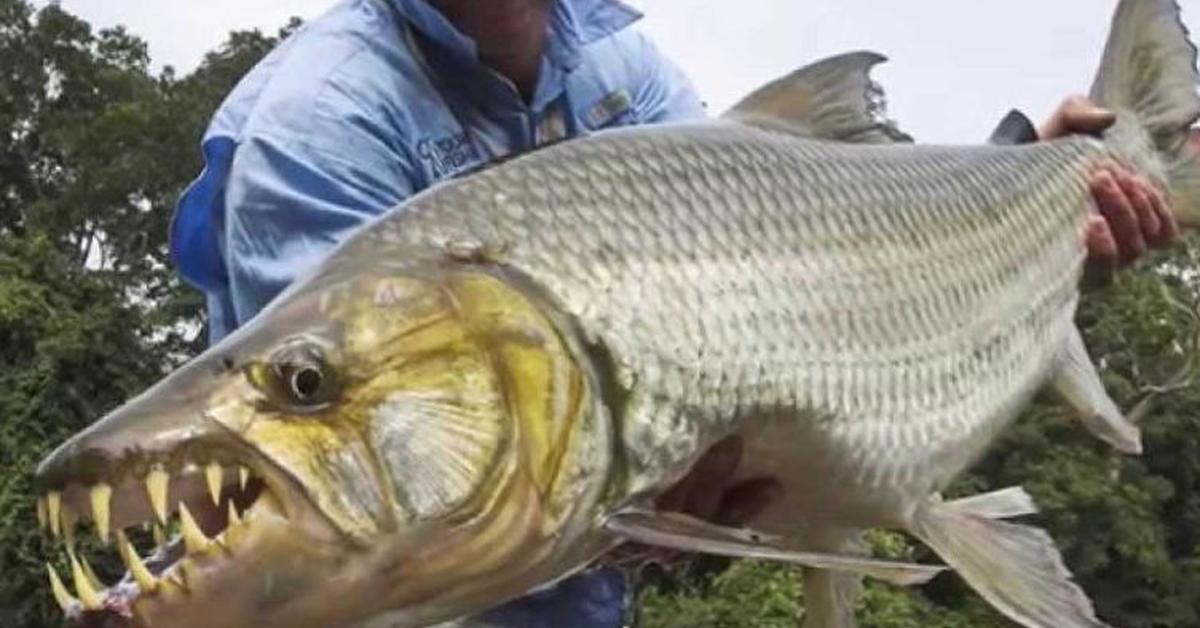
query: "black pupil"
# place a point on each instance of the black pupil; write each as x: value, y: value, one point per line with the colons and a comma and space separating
x: 306, y: 382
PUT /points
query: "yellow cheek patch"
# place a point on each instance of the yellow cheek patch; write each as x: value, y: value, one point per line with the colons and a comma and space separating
x: 332, y: 462
x: 438, y: 426
x: 542, y: 383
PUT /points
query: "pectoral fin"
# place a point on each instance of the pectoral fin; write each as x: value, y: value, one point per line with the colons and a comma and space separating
x: 1079, y: 385
x: 683, y: 533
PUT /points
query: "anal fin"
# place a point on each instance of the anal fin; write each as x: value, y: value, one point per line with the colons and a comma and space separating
x: 1078, y: 384
x: 1015, y: 567
x: 1005, y: 503
x: 683, y: 533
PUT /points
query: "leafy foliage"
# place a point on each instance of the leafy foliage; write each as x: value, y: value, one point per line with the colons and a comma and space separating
x: 62, y: 365
x: 96, y: 151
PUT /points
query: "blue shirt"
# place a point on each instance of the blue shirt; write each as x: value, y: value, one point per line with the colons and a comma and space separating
x: 365, y: 106
x: 374, y: 101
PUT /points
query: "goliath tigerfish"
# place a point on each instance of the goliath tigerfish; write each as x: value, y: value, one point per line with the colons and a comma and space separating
x: 485, y: 390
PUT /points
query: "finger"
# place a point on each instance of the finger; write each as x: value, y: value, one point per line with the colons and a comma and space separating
x: 1087, y: 118
x: 1076, y: 114
x: 747, y: 500
x: 722, y: 459
x: 674, y: 498
x: 1169, y: 227
x: 1122, y: 220
x: 713, y: 468
x: 1102, y: 252
x: 1137, y: 189
x: 710, y: 476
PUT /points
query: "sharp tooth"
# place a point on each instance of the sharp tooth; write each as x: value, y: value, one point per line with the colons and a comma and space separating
x: 43, y: 519
x: 145, y: 580
x: 235, y: 532
x: 91, y: 575
x: 67, y: 524
x: 101, y: 500
x: 188, y: 573
x: 193, y: 537
x: 53, y: 505
x: 156, y: 485
x: 61, y: 595
x: 172, y: 587
x: 213, y: 473
x: 92, y: 600
x: 243, y: 477
x: 160, y: 535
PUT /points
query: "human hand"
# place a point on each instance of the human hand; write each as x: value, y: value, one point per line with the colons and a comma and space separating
x: 1132, y: 212
x: 708, y: 492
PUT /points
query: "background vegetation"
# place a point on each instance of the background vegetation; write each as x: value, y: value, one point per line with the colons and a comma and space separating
x: 97, y: 148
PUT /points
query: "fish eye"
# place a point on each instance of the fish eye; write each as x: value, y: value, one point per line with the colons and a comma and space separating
x: 300, y: 378
x: 306, y: 382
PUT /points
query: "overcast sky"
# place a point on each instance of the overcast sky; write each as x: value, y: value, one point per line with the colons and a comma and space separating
x: 956, y: 65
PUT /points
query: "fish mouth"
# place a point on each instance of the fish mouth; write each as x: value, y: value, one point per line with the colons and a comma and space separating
x: 196, y: 515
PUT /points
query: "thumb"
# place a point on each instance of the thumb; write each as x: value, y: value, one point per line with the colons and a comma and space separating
x: 1077, y: 114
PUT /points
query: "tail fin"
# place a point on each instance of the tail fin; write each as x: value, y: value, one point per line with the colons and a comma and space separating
x: 1015, y: 567
x: 1149, y: 77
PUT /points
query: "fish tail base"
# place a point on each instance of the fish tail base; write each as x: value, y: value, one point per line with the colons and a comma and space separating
x: 1184, y: 185
x: 1149, y: 77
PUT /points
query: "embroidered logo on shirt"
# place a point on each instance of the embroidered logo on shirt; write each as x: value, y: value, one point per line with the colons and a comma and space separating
x: 609, y: 108
x: 447, y: 155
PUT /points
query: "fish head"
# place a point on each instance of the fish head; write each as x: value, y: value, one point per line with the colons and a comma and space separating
x: 416, y: 444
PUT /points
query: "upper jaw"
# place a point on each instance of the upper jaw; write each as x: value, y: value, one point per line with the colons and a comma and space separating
x: 157, y: 463
x: 208, y: 509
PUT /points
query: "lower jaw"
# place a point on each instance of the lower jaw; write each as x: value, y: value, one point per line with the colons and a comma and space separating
x: 175, y: 582
x: 195, y: 590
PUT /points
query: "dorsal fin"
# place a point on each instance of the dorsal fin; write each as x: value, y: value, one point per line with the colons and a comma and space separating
x: 832, y: 99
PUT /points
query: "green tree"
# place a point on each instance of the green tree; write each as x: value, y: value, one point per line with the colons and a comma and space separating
x: 97, y: 151
x: 63, y: 364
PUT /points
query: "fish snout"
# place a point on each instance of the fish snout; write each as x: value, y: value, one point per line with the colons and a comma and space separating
x: 155, y: 472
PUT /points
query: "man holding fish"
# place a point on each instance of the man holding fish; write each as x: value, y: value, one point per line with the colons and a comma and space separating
x: 380, y: 99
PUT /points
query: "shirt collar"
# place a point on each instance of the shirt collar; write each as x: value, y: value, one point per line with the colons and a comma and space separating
x: 575, y: 24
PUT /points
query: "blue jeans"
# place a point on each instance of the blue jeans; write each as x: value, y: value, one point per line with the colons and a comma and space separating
x: 595, y: 599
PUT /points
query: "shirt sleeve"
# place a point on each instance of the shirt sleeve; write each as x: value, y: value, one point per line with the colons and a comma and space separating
x: 664, y: 93
x: 288, y: 203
